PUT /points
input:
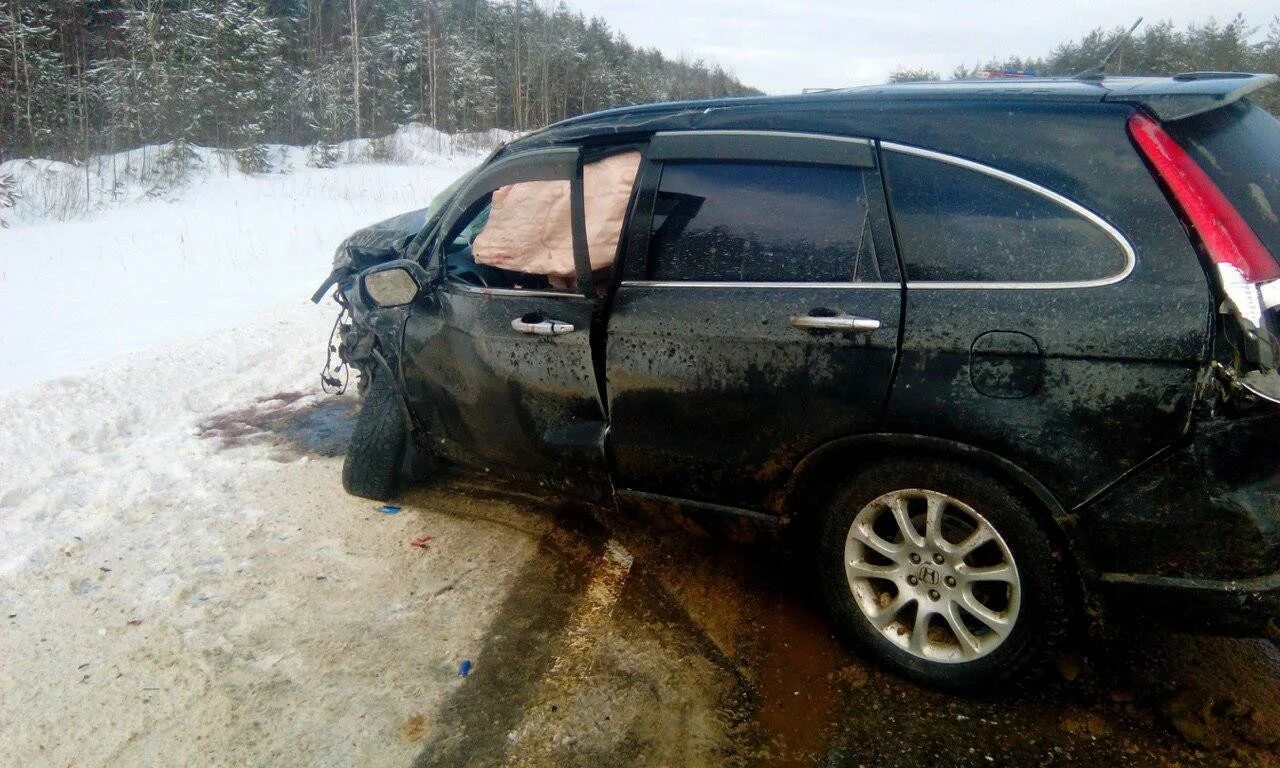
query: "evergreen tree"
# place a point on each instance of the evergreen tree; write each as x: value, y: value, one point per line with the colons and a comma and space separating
x: 32, y: 86
x: 1158, y: 49
x: 247, y: 55
x: 80, y: 77
x: 9, y: 196
x: 909, y: 75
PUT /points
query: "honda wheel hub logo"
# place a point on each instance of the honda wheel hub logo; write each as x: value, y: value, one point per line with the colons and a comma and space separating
x: 928, y: 575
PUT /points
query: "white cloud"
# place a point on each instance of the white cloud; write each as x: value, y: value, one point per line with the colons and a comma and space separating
x: 782, y: 47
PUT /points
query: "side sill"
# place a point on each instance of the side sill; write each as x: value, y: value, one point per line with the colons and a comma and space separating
x: 706, y: 506
x: 1268, y: 583
x: 1236, y: 607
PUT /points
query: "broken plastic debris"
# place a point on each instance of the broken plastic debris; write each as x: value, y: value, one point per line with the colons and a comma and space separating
x: 421, y: 542
x: 388, y: 509
x: 464, y: 668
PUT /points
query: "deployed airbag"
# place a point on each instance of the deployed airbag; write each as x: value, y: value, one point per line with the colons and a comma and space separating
x: 529, y: 222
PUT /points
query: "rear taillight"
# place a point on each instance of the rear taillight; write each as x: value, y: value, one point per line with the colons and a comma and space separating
x: 1243, y: 263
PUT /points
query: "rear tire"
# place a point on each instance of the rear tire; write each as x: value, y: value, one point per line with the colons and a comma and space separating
x: 376, y: 452
x: 989, y: 615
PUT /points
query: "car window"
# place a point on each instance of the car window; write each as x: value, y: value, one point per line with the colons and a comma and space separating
x: 761, y: 222
x: 955, y: 224
x: 461, y: 265
x: 521, y: 234
x: 1239, y: 147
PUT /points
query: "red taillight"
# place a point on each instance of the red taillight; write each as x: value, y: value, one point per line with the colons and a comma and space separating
x: 1223, y: 231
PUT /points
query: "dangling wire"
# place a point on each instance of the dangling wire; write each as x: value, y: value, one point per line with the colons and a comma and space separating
x: 329, y: 376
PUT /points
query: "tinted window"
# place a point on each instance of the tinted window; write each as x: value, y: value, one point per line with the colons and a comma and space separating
x: 762, y: 222
x: 1239, y: 147
x: 955, y: 224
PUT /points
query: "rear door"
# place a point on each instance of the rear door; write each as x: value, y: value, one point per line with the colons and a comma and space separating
x: 759, y: 313
x: 500, y: 360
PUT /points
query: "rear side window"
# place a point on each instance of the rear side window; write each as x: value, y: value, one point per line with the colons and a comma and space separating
x: 956, y: 224
x: 1239, y: 147
x: 762, y: 222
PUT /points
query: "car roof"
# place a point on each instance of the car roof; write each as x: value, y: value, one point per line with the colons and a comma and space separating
x: 1169, y: 98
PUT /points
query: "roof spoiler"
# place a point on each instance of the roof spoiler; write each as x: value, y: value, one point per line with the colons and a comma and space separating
x: 1188, y: 94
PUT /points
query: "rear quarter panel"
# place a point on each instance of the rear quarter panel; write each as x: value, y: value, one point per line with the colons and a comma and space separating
x: 1118, y: 364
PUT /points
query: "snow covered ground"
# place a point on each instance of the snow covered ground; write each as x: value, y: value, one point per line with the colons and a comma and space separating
x: 165, y: 597
x: 169, y: 600
x: 133, y: 262
x: 127, y: 317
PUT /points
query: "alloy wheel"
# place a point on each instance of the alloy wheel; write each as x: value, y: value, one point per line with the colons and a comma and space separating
x: 932, y: 575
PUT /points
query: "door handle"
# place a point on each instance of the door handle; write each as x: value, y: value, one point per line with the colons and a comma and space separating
x: 541, y: 326
x: 827, y: 320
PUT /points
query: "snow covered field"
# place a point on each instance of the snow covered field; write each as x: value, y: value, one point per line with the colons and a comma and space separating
x: 78, y: 286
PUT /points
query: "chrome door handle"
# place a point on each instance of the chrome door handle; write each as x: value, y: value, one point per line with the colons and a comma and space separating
x: 540, y: 326
x: 835, y: 322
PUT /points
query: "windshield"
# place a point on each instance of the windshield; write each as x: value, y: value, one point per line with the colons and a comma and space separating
x: 441, y: 200
x: 1239, y: 147
x: 439, y: 204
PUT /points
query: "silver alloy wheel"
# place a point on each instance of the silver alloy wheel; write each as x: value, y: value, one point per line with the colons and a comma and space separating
x: 932, y: 575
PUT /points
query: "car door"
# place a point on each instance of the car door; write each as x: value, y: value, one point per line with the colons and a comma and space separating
x: 500, y: 361
x: 759, y: 313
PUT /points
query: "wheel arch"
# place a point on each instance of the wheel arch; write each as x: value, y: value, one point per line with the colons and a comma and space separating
x: 816, y: 474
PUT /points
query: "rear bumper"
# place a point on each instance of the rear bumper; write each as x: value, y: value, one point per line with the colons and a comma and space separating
x: 1206, y: 515
x: 1193, y: 540
x: 1242, y: 607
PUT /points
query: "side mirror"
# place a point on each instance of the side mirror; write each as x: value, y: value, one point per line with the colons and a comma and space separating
x: 394, y: 284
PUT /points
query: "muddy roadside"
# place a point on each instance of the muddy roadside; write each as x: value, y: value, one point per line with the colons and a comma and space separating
x: 710, y: 648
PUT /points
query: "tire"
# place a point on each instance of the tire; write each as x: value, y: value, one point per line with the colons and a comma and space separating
x: 377, y: 449
x: 1014, y: 578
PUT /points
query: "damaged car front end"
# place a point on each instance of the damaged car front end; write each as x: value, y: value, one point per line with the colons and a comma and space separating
x: 354, y: 339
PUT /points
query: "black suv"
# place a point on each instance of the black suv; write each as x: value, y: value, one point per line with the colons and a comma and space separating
x: 1006, y: 348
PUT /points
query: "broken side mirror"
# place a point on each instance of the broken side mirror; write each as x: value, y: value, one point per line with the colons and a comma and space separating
x: 394, y: 284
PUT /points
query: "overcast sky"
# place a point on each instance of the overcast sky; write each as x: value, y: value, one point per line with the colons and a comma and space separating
x: 781, y: 46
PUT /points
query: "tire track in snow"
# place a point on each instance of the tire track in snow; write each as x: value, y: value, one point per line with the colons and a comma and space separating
x: 532, y: 743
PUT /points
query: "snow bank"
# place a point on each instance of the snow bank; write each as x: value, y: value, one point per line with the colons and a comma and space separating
x: 52, y: 190
x: 82, y: 451
x: 150, y: 263
x: 417, y: 143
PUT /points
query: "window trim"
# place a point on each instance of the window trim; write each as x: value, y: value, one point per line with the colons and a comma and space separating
x: 728, y: 284
x: 1131, y: 258
x: 790, y: 147
x: 534, y: 292
x: 554, y: 164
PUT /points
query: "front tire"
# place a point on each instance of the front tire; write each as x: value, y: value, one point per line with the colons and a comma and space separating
x: 941, y: 573
x: 376, y: 452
